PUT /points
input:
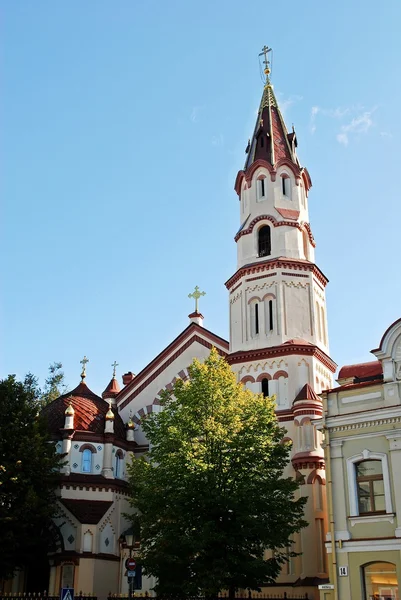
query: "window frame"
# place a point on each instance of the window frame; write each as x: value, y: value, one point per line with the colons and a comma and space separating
x: 353, y: 488
x: 268, y: 242
x: 84, y: 460
x: 369, y: 479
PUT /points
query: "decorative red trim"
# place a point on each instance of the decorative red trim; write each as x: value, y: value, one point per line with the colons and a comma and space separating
x: 313, y: 476
x: 306, y: 178
x: 88, y: 447
x: 276, y: 263
x: 273, y: 220
x: 384, y: 335
x: 165, y: 358
x: 280, y: 374
x: 288, y: 213
x: 196, y: 314
x: 236, y: 288
x: 261, y: 276
x: 247, y: 379
x: 264, y: 376
x: 282, y: 350
x: 285, y: 162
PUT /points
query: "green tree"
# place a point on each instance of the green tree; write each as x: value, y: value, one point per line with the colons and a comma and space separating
x: 216, y: 512
x: 54, y: 384
x: 29, y: 474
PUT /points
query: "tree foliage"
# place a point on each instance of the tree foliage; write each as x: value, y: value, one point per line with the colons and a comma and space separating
x: 29, y: 471
x: 210, y: 493
x: 54, y: 384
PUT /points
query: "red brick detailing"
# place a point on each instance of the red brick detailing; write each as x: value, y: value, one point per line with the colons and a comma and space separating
x: 88, y: 512
x: 88, y: 447
x: 282, y: 350
x: 261, y: 277
x: 247, y: 379
x: 273, y: 220
x: 128, y: 377
x: 277, y: 263
x: 249, y: 174
x: 165, y: 358
x: 288, y: 213
x: 149, y: 408
x: 280, y: 374
x: 236, y: 288
x: 141, y: 412
x: 306, y: 226
x: 294, y: 275
x: 313, y: 476
x: 264, y: 376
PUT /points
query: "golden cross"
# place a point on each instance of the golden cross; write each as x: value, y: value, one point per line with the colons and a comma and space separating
x: 196, y: 295
x: 83, y: 363
x: 265, y: 52
x: 114, y: 365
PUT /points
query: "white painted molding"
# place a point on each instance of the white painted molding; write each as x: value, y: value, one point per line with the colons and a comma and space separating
x: 371, y: 519
x: 352, y: 487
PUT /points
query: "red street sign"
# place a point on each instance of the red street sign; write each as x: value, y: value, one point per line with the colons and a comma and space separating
x: 130, y: 564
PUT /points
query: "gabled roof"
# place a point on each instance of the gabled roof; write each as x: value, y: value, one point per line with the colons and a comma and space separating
x: 194, y: 333
x: 88, y: 512
x: 307, y: 393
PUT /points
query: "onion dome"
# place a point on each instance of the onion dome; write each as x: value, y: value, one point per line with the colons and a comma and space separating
x: 69, y: 411
x: 89, y: 413
x: 110, y: 414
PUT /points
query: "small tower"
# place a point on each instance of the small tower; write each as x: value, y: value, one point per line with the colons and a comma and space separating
x: 113, y: 388
x: 196, y: 316
x: 69, y: 417
x: 109, y: 424
x: 278, y: 330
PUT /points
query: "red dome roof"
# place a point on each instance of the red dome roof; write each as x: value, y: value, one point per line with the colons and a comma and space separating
x: 89, y: 412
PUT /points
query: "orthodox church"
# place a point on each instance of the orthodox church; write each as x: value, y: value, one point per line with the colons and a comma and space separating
x: 278, y: 346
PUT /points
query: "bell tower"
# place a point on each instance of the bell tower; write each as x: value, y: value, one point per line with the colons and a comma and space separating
x: 278, y: 321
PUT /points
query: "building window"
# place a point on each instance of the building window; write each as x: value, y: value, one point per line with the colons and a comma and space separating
x: 264, y: 241
x: 270, y: 315
x: 286, y: 186
x: 380, y: 581
x: 370, y: 486
x: 118, y: 464
x: 87, y: 461
x: 265, y: 387
x: 254, y: 314
x: 261, y: 188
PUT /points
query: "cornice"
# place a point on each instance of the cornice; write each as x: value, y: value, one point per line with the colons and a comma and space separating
x: 282, y: 350
x: 276, y: 263
x: 276, y: 223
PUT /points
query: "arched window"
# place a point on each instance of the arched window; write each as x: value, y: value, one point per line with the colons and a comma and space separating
x: 286, y: 186
x: 264, y: 241
x: 118, y: 464
x: 380, y: 581
x: 265, y: 387
x: 254, y: 309
x: 261, y: 188
x: 370, y: 486
x: 87, y: 461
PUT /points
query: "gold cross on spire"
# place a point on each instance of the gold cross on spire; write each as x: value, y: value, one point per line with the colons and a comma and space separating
x: 196, y: 294
x: 266, y: 62
x: 83, y: 363
x: 114, y: 365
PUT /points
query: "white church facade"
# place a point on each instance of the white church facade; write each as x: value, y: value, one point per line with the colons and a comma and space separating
x: 278, y: 344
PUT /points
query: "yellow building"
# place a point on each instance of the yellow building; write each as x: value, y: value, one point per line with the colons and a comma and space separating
x: 362, y: 443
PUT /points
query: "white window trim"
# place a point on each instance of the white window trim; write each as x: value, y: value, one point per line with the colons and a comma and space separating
x: 352, y: 487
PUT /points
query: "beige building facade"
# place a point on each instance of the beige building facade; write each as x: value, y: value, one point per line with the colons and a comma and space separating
x: 362, y: 444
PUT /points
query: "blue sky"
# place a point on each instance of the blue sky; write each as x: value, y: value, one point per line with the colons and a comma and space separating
x: 123, y: 125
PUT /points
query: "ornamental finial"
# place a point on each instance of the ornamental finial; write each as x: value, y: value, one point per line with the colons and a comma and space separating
x: 266, y: 62
x: 196, y: 294
x: 83, y: 362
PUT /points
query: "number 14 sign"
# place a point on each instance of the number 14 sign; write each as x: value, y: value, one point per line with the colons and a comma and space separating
x: 343, y: 571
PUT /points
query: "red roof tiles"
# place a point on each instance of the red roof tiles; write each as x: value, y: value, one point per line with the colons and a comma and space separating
x: 361, y: 370
x: 89, y: 412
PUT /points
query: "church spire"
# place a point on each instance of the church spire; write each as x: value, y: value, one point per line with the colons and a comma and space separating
x: 271, y: 141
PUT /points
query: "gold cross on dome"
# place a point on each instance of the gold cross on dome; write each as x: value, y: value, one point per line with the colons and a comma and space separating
x: 196, y: 294
x: 114, y: 365
x: 266, y: 62
x: 83, y: 362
